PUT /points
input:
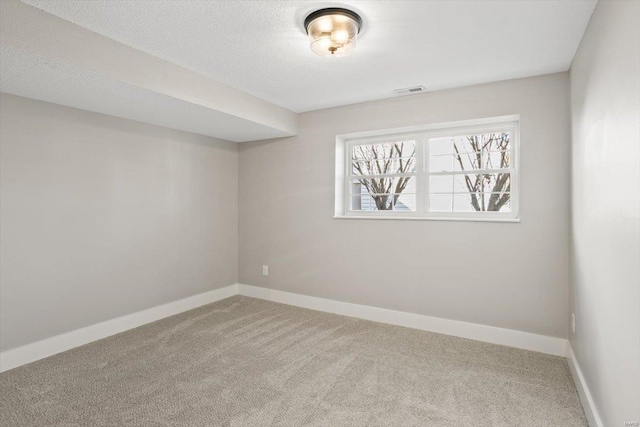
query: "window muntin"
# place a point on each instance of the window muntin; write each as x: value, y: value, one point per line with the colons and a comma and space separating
x: 470, y: 173
x: 465, y: 172
x: 383, y: 176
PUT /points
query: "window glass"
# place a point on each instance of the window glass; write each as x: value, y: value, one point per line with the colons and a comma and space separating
x: 467, y: 173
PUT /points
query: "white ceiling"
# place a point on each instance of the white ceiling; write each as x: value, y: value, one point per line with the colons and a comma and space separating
x: 260, y: 46
x: 33, y: 77
x: 50, y: 59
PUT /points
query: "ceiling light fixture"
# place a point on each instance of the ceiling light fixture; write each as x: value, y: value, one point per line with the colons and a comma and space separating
x: 333, y: 31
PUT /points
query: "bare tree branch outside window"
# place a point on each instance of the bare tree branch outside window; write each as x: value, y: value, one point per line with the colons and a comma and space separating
x: 375, y: 160
x: 489, y: 191
x: 383, y: 171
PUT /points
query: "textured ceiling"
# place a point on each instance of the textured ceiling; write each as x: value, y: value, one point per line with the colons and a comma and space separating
x: 35, y: 77
x: 50, y: 59
x: 260, y: 47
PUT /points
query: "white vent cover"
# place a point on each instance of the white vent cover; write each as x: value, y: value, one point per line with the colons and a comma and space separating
x: 410, y: 90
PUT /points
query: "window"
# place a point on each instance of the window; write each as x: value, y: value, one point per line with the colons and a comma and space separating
x: 383, y: 176
x: 456, y: 172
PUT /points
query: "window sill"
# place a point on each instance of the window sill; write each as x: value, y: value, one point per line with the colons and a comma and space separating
x: 422, y: 218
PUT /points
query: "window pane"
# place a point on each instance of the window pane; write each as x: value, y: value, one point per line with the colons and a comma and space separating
x: 470, y: 152
x: 452, y: 145
x: 467, y: 183
x: 386, y: 150
x: 384, y: 194
x: 439, y: 146
x: 372, y: 167
x: 383, y: 166
x: 441, y: 183
x: 482, y: 202
x: 383, y: 185
x: 405, y: 202
x: 403, y: 165
x: 379, y: 202
x: 470, y: 192
x: 497, y: 202
x: 483, y: 183
x: 455, y: 162
x: 495, y: 141
x: 441, y: 163
x: 441, y: 202
x: 496, y: 160
x: 463, y: 175
x: 362, y: 203
x: 477, y: 183
x: 469, y: 202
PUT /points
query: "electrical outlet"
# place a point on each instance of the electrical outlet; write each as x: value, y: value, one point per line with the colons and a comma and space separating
x: 265, y: 270
x: 573, y: 322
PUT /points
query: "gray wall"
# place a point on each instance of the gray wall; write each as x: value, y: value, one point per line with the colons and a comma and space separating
x: 605, y: 291
x: 501, y: 274
x: 101, y: 217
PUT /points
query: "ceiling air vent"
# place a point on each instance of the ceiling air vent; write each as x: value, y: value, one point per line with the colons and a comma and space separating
x: 410, y: 90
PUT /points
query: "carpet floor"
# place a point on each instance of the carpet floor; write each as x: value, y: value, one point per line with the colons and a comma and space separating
x: 247, y: 362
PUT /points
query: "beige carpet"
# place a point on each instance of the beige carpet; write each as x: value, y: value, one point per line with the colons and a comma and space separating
x: 247, y: 362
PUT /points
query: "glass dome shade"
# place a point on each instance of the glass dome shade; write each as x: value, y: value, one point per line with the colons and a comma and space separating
x: 333, y: 32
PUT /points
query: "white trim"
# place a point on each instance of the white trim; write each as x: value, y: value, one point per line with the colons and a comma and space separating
x: 586, y: 399
x: 28, y: 353
x: 524, y: 340
x: 421, y: 135
x: 430, y: 127
x: 427, y: 218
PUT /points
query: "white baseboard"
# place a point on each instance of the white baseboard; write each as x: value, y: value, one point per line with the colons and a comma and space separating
x: 13, y: 358
x: 508, y: 337
x: 19, y: 356
x: 583, y: 390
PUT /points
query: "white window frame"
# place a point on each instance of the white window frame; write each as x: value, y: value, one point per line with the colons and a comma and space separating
x: 350, y: 177
x: 422, y: 134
